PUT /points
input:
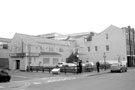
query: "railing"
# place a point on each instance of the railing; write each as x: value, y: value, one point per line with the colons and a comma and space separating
x: 64, y: 69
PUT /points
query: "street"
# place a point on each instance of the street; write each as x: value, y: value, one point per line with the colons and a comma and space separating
x: 111, y: 81
x: 108, y: 81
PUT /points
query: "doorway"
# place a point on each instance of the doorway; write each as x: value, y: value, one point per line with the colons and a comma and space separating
x: 17, y: 64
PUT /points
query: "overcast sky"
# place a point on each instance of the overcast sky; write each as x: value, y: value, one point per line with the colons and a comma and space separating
x: 36, y: 17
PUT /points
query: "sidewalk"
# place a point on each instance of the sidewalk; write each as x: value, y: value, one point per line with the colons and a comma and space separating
x: 94, y: 73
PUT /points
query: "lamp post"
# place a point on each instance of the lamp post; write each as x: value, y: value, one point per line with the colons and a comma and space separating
x: 77, y: 55
x: 119, y: 61
x: 104, y: 55
x: 77, y: 60
x: 29, y: 58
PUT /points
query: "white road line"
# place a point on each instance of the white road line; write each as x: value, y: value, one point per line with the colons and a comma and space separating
x: 22, y: 76
x: 60, y: 79
x: 37, y: 83
x: 26, y: 83
x: 1, y: 87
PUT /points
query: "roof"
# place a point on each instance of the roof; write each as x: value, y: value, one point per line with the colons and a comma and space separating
x: 49, y: 35
x: 5, y: 40
x: 78, y: 35
x: 108, y: 28
x: 57, y: 36
x: 50, y: 53
x: 41, y: 40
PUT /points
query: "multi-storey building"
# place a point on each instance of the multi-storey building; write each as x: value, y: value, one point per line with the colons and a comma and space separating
x: 130, y: 45
x: 77, y: 41
x: 112, y: 45
x: 4, y: 52
x: 29, y: 50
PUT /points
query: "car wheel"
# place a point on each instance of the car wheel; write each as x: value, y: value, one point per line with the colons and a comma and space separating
x: 121, y: 70
x: 111, y: 71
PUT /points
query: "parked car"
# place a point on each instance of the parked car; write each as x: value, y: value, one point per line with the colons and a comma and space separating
x: 4, y: 76
x: 88, y: 66
x: 118, y: 67
x: 66, y: 64
x: 55, y: 71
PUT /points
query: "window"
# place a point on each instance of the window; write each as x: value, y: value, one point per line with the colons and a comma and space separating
x: 34, y: 59
x: 51, y: 49
x: 107, y: 36
x: 128, y: 52
x: 85, y: 39
x: 60, y: 49
x: 46, y: 60
x: 127, y: 41
x: 36, y: 47
x: 55, y: 60
x: 107, y: 47
x: 96, y: 48
x: 88, y: 49
x: 3, y: 45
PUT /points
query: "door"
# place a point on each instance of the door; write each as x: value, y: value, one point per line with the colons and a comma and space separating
x: 17, y: 64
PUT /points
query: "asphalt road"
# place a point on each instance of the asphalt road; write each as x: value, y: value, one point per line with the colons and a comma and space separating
x: 107, y: 81
x: 110, y: 81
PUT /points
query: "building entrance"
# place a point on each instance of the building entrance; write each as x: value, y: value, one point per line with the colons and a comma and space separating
x: 130, y: 61
x: 17, y: 64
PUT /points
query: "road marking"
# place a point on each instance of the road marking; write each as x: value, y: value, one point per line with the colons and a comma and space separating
x: 60, y: 79
x: 25, y: 83
x: 1, y: 87
x: 21, y: 76
x: 36, y: 83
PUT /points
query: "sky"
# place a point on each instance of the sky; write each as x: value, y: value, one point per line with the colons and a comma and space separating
x: 35, y: 17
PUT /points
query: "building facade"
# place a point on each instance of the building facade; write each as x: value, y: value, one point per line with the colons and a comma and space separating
x: 112, y: 45
x: 130, y: 45
x: 29, y: 50
x: 4, y: 52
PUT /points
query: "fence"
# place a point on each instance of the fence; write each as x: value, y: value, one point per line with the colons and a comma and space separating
x: 64, y: 69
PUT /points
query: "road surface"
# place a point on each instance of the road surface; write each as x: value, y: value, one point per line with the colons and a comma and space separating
x: 109, y: 81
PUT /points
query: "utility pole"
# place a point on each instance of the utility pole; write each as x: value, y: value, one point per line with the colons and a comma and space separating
x: 129, y: 31
x: 29, y: 50
x: 22, y: 49
x: 133, y: 47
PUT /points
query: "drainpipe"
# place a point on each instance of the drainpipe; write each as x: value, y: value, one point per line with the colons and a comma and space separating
x: 133, y: 47
x: 129, y: 29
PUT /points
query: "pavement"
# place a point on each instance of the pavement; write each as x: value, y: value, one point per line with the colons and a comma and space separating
x: 18, y: 77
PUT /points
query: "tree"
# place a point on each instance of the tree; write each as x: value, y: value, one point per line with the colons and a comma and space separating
x: 72, y: 58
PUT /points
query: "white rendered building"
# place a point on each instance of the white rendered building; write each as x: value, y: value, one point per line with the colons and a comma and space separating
x: 29, y: 50
x: 108, y: 46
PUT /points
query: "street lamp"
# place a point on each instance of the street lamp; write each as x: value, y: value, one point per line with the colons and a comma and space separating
x: 119, y: 61
x: 104, y: 55
x: 29, y: 57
